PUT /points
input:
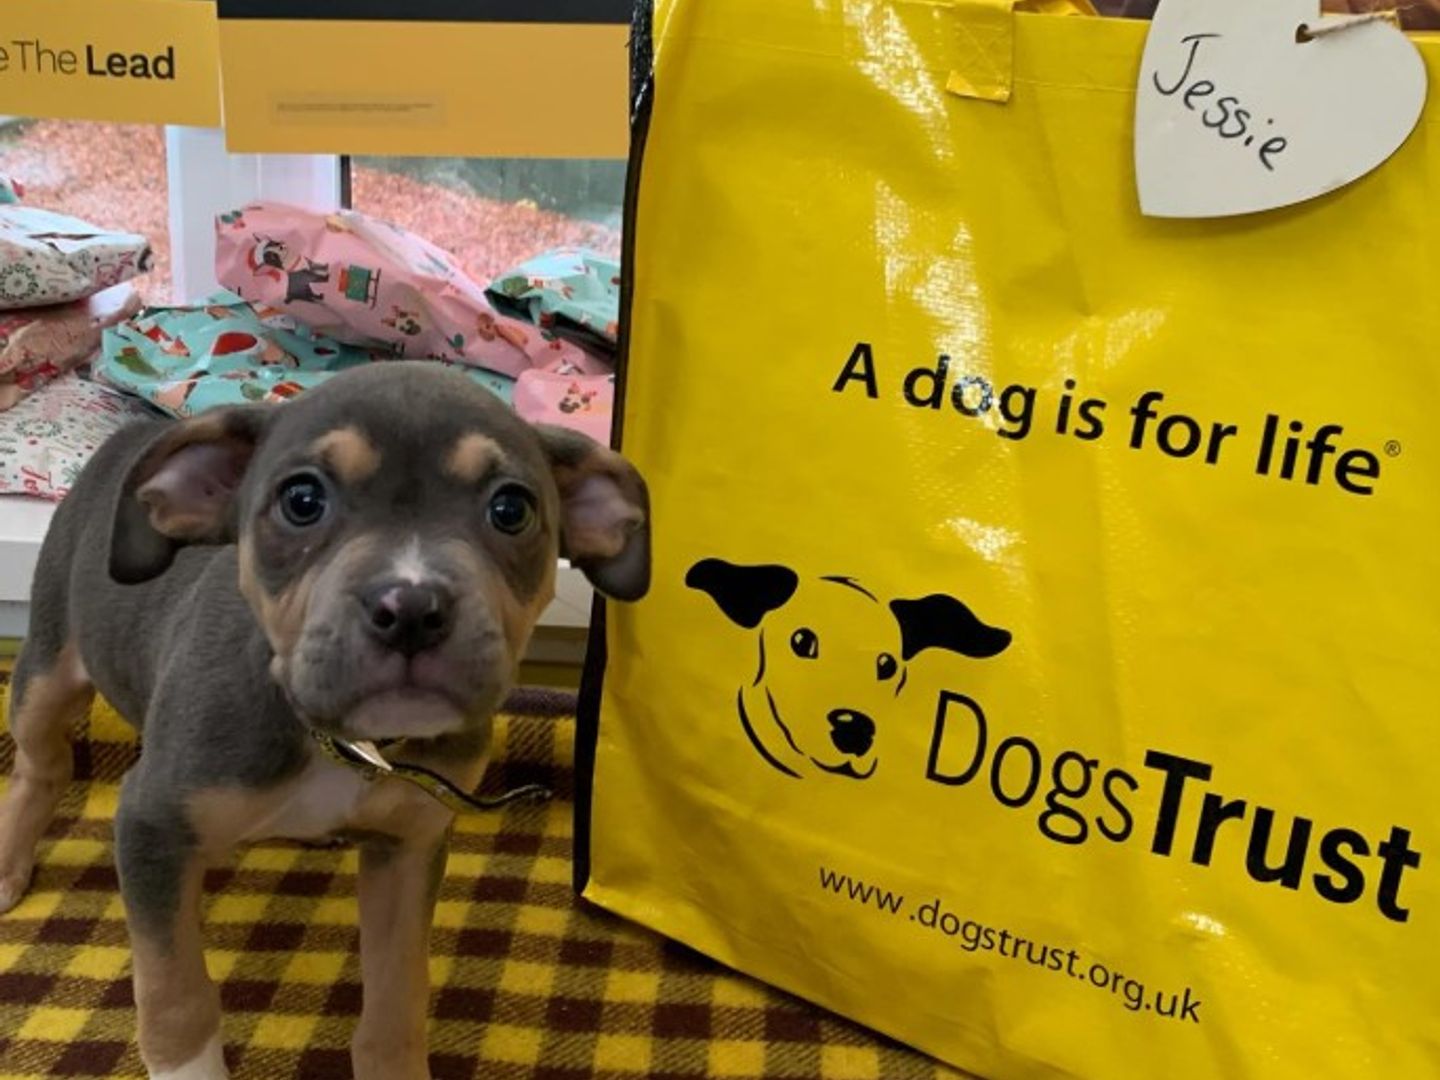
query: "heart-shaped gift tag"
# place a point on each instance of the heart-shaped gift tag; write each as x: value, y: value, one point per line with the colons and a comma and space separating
x: 1246, y: 105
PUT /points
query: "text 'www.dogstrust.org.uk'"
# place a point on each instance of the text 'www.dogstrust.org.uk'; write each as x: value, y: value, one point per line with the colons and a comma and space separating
x: 973, y: 936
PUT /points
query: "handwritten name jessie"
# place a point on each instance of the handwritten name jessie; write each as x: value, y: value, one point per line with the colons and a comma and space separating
x: 1225, y: 115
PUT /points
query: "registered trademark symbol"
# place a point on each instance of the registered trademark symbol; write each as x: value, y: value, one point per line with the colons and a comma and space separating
x: 1392, y: 449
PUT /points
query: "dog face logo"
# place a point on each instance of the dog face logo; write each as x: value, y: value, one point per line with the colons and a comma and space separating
x: 834, y: 635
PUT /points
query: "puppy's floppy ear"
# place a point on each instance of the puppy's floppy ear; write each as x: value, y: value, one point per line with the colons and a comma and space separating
x: 604, y: 513
x: 181, y: 490
x: 942, y: 622
x: 746, y: 594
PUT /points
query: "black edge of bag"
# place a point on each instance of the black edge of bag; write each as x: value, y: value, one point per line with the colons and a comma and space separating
x: 587, y: 733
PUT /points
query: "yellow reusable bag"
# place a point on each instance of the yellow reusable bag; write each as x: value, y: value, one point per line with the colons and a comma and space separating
x: 1042, y: 659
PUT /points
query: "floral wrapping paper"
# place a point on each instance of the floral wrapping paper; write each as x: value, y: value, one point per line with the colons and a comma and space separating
x: 47, y: 438
x: 49, y: 258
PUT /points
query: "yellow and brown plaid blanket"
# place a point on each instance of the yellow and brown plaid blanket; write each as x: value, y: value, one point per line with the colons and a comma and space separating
x: 529, y: 982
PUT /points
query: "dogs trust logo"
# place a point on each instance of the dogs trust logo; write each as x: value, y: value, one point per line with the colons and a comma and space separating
x: 834, y: 635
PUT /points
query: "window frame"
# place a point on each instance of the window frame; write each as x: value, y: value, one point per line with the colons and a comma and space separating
x: 204, y: 180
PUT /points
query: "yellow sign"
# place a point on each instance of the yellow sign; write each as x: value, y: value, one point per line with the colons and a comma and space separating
x: 425, y: 88
x: 126, y: 61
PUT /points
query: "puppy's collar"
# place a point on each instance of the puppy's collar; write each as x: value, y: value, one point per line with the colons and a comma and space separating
x: 365, y: 758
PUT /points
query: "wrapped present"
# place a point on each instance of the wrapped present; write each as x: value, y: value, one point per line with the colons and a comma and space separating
x: 38, y: 345
x: 226, y: 351
x: 49, y: 258
x: 574, y: 293
x: 48, y: 437
x: 366, y: 282
x: 584, y: 403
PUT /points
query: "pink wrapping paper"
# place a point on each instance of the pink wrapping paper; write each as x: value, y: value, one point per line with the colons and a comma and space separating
x: 584, y: 403
x: 367, y: 282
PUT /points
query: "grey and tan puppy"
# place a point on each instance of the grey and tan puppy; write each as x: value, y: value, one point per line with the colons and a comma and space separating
x: 369, y: 560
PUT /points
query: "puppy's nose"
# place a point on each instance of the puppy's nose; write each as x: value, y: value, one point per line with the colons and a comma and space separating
x: 408, y: 618
x: 852, y: 732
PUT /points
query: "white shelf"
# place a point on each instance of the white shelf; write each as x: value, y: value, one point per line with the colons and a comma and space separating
x: 23, y: 523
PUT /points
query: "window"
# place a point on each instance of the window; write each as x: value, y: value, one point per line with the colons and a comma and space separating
x: 111, y: 175
x: 493, y: 213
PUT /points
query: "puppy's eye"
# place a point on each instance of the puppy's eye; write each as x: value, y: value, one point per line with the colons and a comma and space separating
x: 885, y: 667
x: 511, y: 509
x: 804, y: 644
x: 302, y: 500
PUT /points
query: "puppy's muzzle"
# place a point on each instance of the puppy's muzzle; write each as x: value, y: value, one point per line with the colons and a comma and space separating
x: 406, y: 618
x: 853, y: 733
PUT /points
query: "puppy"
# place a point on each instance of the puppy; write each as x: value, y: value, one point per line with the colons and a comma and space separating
x: 830, y: 640
x: 366, y: 562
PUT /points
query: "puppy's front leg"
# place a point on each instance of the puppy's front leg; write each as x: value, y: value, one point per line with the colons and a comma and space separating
x: 399, y: 883
x: 161, y: 877
x: 50, y: 695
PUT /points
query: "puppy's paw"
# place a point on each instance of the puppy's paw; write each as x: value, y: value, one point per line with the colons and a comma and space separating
x: 14, y: 884
x: 209, y: 1064
x: 388, y: 1062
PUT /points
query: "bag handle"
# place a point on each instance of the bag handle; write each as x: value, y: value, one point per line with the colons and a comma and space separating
x: 985, y: 70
